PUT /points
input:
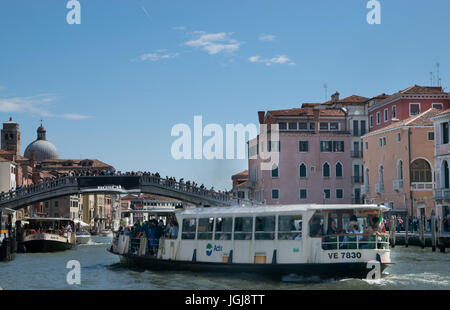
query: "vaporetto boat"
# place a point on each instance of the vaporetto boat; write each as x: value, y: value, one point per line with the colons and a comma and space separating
x: 48, y: 235
x: 274, y: 240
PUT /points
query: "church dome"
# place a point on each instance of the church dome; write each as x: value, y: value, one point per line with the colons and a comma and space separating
x: 41, y: 149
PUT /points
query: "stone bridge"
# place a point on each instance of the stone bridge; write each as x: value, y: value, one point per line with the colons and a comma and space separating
x: 34, y: 193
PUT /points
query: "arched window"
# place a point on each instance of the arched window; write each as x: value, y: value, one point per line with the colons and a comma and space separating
x: 400, y: 170
x: 445, y: 178
x: 274, y: 171
x: 326, y: 170
x: 338, y: 170
x: 302, y: 170
x: 421, y: 171
x: 381, y: 175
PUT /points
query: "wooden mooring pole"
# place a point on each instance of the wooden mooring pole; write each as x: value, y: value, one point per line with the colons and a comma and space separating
x: 406, y: 231
x: 441, y: 244
x: 392, y: 230
x: 422, y: 231
x: 433, y: 233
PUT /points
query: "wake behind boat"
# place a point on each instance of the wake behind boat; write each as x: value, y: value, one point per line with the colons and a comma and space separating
x: 329, y: 241
x: 48, y: 234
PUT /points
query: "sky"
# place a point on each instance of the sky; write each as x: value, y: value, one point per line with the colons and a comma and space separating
x: 114, y: 86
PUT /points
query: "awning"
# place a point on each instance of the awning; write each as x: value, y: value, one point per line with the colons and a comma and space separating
x: 83, y: 224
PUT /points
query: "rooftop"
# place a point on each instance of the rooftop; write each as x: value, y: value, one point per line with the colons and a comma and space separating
x: 422, y: 119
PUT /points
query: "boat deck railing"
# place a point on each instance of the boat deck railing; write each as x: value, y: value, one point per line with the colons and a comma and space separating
x: 355, y: 241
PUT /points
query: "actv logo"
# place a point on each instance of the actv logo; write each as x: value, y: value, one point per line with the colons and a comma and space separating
x: 210, y: 249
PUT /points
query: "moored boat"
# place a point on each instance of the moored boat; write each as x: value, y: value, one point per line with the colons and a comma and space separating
x: 6, y: 236
x: 330, y: 241
x: 48, y: 234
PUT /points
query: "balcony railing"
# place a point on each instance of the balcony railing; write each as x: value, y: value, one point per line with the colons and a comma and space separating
x: 357, y: 179
x: 357, y: 154
x: 422, y: 186
x: 365, y: 190
x: 397, y: 185
x: 442, y: 193
x: 379, y: 188
x: 357, y: 200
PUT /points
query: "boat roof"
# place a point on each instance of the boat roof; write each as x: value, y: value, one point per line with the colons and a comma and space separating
x: 280, y: 209
x: 7, y: 211
x: 48, y: 219
x: 158, y: 209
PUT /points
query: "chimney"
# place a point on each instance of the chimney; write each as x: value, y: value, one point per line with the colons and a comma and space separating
x: 316, y: 112
x: 261, y: 116
x: 335, y: 97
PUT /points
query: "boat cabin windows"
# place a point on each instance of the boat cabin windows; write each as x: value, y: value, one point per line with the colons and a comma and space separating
x: 289, y: 227
x: 243, y: 228
x: 189, y: 227
x: 205, y: 228
x: 265, y: 228
x: 224, y: 228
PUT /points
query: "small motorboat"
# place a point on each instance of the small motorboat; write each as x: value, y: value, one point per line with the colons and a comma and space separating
x: 83, y: 237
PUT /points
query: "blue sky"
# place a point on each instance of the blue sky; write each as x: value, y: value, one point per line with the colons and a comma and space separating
x: 113, y: 87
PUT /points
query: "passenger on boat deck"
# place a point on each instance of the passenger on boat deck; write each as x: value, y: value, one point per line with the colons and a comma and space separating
x: 68, y: 227
x: 173, y: 232
x: 332, y: 229
x: 352, y: 223
x: 373, y: 228
x: 316, y: 228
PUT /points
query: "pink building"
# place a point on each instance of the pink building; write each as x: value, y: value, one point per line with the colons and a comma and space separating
x: 441, y: 166
x: 404, y: 104
x: 314, y: 166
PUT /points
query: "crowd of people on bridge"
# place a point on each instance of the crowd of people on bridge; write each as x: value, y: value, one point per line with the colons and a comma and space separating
x: 187, y: 186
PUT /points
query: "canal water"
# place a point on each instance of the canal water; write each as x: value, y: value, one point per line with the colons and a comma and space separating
x: 414, y: 268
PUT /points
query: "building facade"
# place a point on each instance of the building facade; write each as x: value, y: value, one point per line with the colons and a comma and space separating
x: 404, y: 104
x: 398, y: 163
x: 441, y: 124
x: 314, y: 149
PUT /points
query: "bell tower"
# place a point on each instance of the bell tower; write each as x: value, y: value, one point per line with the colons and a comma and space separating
x: 11, y: 137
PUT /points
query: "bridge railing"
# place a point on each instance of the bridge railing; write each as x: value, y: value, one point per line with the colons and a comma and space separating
x: 184, y: 187
x: 38, y: 188
x: 53, y: 184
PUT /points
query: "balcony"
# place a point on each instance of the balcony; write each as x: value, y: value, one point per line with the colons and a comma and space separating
x: 365, y: 190
x: 397, y: 185
x: 357, y: 200
x: 422, y: 186
x: 357, y: 154
x: 379, y: 188
x: 442, y: 194
x: 357, y: 179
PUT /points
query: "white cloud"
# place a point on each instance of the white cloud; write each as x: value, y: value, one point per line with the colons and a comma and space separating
x: 279, y: 60
x: 180, y: 28
x: 158, y: 55
x: 255, y: 58
x: 267, y: 37
x: 74, y: 116
x: 214, y: 43
x: 35, y: 105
